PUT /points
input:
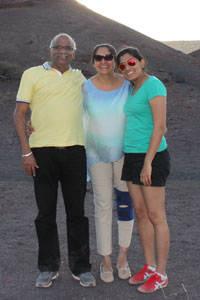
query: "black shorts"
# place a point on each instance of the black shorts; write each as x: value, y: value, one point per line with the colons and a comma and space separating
x: 133, y: 164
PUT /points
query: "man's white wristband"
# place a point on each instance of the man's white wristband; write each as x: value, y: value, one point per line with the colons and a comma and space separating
x: 28, y: 154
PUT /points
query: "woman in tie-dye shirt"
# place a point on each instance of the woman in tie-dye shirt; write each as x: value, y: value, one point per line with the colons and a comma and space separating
x: 104, y: 97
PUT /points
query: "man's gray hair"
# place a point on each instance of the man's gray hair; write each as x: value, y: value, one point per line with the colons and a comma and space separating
x: 61, y: 35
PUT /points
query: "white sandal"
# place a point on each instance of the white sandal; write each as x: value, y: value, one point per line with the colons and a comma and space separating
x: 124, y: 272
x: 106, y: 276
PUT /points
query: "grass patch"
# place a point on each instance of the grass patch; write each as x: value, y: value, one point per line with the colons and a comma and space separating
x: 9, y: 71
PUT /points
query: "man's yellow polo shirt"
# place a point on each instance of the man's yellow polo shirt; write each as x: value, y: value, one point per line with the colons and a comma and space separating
x: 56, y: 105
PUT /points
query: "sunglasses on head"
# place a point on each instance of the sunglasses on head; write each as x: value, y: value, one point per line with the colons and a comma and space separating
x: 131, y: 62
x: 107, y: 57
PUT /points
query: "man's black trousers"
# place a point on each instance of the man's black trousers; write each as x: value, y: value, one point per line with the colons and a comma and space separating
x: 66, y: 165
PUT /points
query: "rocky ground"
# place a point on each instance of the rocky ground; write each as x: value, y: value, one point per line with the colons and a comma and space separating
x: 18, y: 251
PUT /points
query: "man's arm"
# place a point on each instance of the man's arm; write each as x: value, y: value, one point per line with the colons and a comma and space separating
x: 29, y: 162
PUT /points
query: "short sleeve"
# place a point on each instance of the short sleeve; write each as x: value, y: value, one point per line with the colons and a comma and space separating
x: 25, y: 91
x: 156, y: 88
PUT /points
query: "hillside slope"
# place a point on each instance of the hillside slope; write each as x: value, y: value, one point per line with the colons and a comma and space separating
x: 27, y: 31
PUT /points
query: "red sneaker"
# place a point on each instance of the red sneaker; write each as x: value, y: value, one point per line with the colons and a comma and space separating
x: 141, y: 276
x: 153, y: 284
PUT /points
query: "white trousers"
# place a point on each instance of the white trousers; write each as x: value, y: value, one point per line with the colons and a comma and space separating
x: 105, y: 177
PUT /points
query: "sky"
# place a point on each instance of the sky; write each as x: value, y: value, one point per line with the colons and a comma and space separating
x: 162, y: 20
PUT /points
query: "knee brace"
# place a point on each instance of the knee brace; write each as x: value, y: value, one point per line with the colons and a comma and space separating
x: 125, y: 209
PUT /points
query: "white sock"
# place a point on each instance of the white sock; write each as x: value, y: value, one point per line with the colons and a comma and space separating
x: 163, y: 277
x: 151, y: 268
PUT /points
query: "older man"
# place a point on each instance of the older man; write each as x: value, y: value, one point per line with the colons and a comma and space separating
x: 55, y: 153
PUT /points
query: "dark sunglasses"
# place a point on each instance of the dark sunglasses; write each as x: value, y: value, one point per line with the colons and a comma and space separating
x: 131, y: 62
x: 107, y: 57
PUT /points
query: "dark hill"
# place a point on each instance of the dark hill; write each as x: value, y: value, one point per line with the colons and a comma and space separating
x: 196, y: 54
x: 26, y: 32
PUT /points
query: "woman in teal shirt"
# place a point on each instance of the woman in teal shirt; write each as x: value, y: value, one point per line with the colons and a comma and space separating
x: 146, y: 165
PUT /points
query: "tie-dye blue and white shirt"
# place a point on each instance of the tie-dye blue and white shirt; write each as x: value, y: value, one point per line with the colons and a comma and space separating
x: 104, y: 122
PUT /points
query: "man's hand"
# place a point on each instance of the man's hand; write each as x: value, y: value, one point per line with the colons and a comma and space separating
x: 29, y: 128
x: 29, y: 165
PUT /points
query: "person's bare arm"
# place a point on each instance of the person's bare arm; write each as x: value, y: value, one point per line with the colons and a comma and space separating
x: 29, y: 163
x: 158, y: 106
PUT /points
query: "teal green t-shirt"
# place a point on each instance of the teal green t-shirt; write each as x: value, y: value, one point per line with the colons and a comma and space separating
x: 139, y: 120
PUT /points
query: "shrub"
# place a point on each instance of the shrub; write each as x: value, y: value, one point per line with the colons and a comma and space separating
x: 9, y: 71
